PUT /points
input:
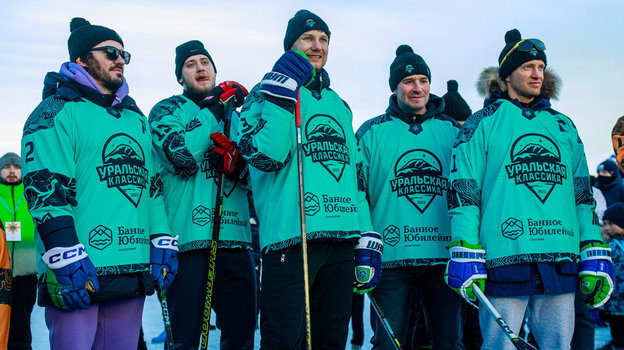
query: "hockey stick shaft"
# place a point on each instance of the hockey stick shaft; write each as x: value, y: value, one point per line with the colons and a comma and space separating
x: 384, y: 322
x: 304, y: 243
x: 517, y: 342
x: 216, y: 228
x: 165, y: 312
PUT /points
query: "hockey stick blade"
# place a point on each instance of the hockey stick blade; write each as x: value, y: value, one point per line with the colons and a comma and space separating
x: 517, y: 342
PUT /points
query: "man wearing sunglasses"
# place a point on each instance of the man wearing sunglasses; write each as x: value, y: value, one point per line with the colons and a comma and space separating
x: 193, y: 150
x: 521, y: 206
x: 92, y: 188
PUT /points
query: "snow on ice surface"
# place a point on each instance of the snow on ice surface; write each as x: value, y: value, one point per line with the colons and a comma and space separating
x: 153, y: 325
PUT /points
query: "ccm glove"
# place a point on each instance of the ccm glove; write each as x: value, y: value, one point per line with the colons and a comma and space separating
x: 596, y: 274
x: 70, y: 273
x: 466, y: 266
x: 224, y: 92
x: 368, y: 262
x: 226, y: 158
x: 164, y: 255
x: 289, y: 73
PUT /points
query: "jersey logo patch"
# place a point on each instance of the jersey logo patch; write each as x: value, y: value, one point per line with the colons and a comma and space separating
x: 536, y: 163
x: 124, y: 167
x: 391, y: 235
x: 312, y: 204
x: 512, y: 228
x: 326, y: 144
x: 100, y: 237
x: 418, y: 177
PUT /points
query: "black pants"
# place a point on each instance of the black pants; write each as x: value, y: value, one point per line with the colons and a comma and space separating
x: 357, y: 319
x: 282, y: 317
x: 23, y: 299
x: 233, y: 298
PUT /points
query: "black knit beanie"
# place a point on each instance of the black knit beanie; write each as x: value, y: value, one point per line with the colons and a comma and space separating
x: 454, y: 104
x: 516, y: 58
x: 302, y: 22
x: 615, y: 214
x: 186, y: 50
x: 406, y: 63
x: 10, y: 159
x: 84, y: 36
x: 609, y: 166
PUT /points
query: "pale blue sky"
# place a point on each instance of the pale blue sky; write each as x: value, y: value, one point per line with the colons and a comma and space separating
x: 457, y: 39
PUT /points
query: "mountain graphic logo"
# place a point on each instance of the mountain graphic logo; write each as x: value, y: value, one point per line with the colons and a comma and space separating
x: 418, y: 177
x: 536, y: 164
x: 512, y: 228
x: 100, y: 237
x: 326, y: 144
x: 311, y: 203
x: 391, y: 235
x: 201, y: 216
x: 124, y: 167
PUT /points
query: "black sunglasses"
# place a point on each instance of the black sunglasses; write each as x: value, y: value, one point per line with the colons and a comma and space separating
x: 112, y: 53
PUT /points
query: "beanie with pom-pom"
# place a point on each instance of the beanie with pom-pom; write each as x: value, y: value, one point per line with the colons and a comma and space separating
x: 406, y: 63
x: 84, y: 36
x: 509, y: 60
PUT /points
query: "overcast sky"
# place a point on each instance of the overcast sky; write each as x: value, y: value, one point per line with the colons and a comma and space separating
x: 457, y: 39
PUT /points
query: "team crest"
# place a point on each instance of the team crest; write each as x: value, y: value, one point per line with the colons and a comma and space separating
x: 536, y: 163
x: 326, y: 144
x: 124, y: 167
x: 418, y: 177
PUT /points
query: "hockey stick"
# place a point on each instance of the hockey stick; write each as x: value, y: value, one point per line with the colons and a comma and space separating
x: 304, y: 243
x: 165, y: 312
x: 229, y: 106
x: 517, y: 342
x: 384, y: 322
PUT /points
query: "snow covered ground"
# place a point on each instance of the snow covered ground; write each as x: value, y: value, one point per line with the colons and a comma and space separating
x: 153, y: 325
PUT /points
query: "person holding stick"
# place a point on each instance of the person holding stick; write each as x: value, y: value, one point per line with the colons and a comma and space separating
x: 193, y: 148
x: 334, y: 208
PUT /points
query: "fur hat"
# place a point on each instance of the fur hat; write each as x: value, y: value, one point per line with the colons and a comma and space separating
x: 302, y: 22
x: 186, y: 50
x: 513, y: 60
x: 490, y: 81
x: 454, y: 104
x: 406, y: 63
x: 84, y: 36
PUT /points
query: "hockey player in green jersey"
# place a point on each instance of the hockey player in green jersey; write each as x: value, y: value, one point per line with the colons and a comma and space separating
x: 187, y: 133
x: 336, y: 211
x: 406, y: 154
x: 93, y: 191
x: 522, y: 211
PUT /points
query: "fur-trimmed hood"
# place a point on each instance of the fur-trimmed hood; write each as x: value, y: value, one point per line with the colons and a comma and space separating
x: 489, y: 82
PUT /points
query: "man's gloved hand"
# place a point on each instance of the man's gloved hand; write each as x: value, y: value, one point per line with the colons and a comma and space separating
x: 466, y: 266
x: 164, y: 255
x: 290, y: 72
x: 368, y: 262
x: 596, y: 274
x: 225, y: 91
x: 70, y: 273
x: 226, y: 158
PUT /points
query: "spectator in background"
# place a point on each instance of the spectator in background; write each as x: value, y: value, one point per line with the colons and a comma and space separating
x: 610, y: 182
x: 454, y: 104
x: 19, y: 228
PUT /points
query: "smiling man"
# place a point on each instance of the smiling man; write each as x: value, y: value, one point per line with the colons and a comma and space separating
x: 521, y: 205
x: 187, y: 133
x: 335, y: 208
x: 92, y: 189
x: 406, y: 154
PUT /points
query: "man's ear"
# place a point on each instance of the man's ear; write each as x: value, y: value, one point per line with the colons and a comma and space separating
x: 81, y: 62
x: 180, y: 80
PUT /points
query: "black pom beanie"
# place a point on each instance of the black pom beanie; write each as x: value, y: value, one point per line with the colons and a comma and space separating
x: 84, y: 36
x: 406, y: 63
x: 302, y: 22
x: 454, y: 104
x: 186, y: 50
x: 516, y: 58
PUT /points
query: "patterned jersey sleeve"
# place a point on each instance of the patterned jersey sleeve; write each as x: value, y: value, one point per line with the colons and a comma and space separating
x: 267, y: 133
x: 466, y: 179
x: 49, y: 172
x: 181, y: 134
